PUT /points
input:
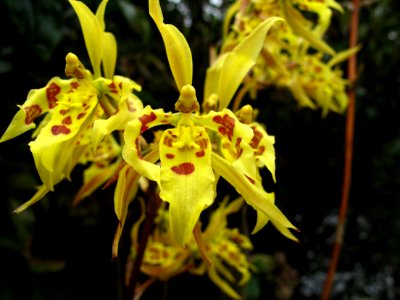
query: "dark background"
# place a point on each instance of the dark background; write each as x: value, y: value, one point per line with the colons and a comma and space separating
x: 56, y: 251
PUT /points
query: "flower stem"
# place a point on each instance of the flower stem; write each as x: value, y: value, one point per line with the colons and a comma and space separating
x: 348, y: 157
x: 152, y: 207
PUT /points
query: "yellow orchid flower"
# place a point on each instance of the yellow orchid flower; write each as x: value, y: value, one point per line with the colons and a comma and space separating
x: 285, y: 59
x: 224, y: 250
x: 186, y: 174
x: 75, y: 108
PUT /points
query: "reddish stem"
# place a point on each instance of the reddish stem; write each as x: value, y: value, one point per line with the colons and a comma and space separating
x: 348, y: 157
x: 152, y: 207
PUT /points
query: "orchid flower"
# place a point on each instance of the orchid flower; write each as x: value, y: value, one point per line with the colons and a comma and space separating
x: 74, y: 107
x: 188, y: 161
x: 222, y: 253
x: 285, y: 60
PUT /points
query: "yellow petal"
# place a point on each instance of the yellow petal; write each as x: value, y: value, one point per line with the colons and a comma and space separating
x: 256, y: 197
x: 92, y: 33
x: 94, y: 177
x: 229, y: 15
x: 235, y: 141
x: 109, y: 59
x: 124, y: 192
x: 129, y: 107
x: 54, y: 145
x: 296, y: 22
x: 241, y: 59
x: 132, y: 152
x: 42, y: 191
x: 101, y: 9
x: 299, y: 93
x: 222, y: 284
x: 343, y: 55
x: 263, y: 145
x: 178, y: 51
x: 187, y: 179
x: 38, y: 102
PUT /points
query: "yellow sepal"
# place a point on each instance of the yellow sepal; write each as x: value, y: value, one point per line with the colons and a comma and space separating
x: 92, y: 32
x: 55, y: 144
x: 255, y: 197
x: 42, y: 191
x: 221, y: 80
x: 38, y: 102
x: 297, y: 23
x: 178, y: 51
x: 124, y: 192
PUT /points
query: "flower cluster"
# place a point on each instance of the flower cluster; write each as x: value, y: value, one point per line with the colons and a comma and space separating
x: 294, y: 55
x: 218, y: 251
x: 193, y: 149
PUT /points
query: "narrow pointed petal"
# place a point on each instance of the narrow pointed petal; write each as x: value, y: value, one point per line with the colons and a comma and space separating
x: 124, y: 192
x: 92, y: 33
x: 94, y: 177
x: 222, y: 284
x: 343, y: 55
x: 178, y: 51
x: 255, y: 197
x: 187, y: 179
x: 241, y: 59
x: 42, y: 191
x: 296, y: 22
x: 109, y: 59
x: 100, y: 12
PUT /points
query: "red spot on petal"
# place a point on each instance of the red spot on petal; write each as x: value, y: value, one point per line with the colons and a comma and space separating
x: 51, y: 92
x: 146, y: 119
x: 75, y: 85
x: 131, y: 107
x: 183, y: 169
x: 168, y: 141
x: 32, y: 112
x: 67, y: 121
x: 261, y: 150
x: 113, y: 88
x: 64, y: 111
x: 256, y: 138
x: 169, y: 155
x: 81, y: 115
x: 60, y: 129
x: 227, y: 125
x: 200, y: 153
x: 250, y: 179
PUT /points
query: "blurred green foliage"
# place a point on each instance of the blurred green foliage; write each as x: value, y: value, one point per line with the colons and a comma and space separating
x: 56, y: 251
